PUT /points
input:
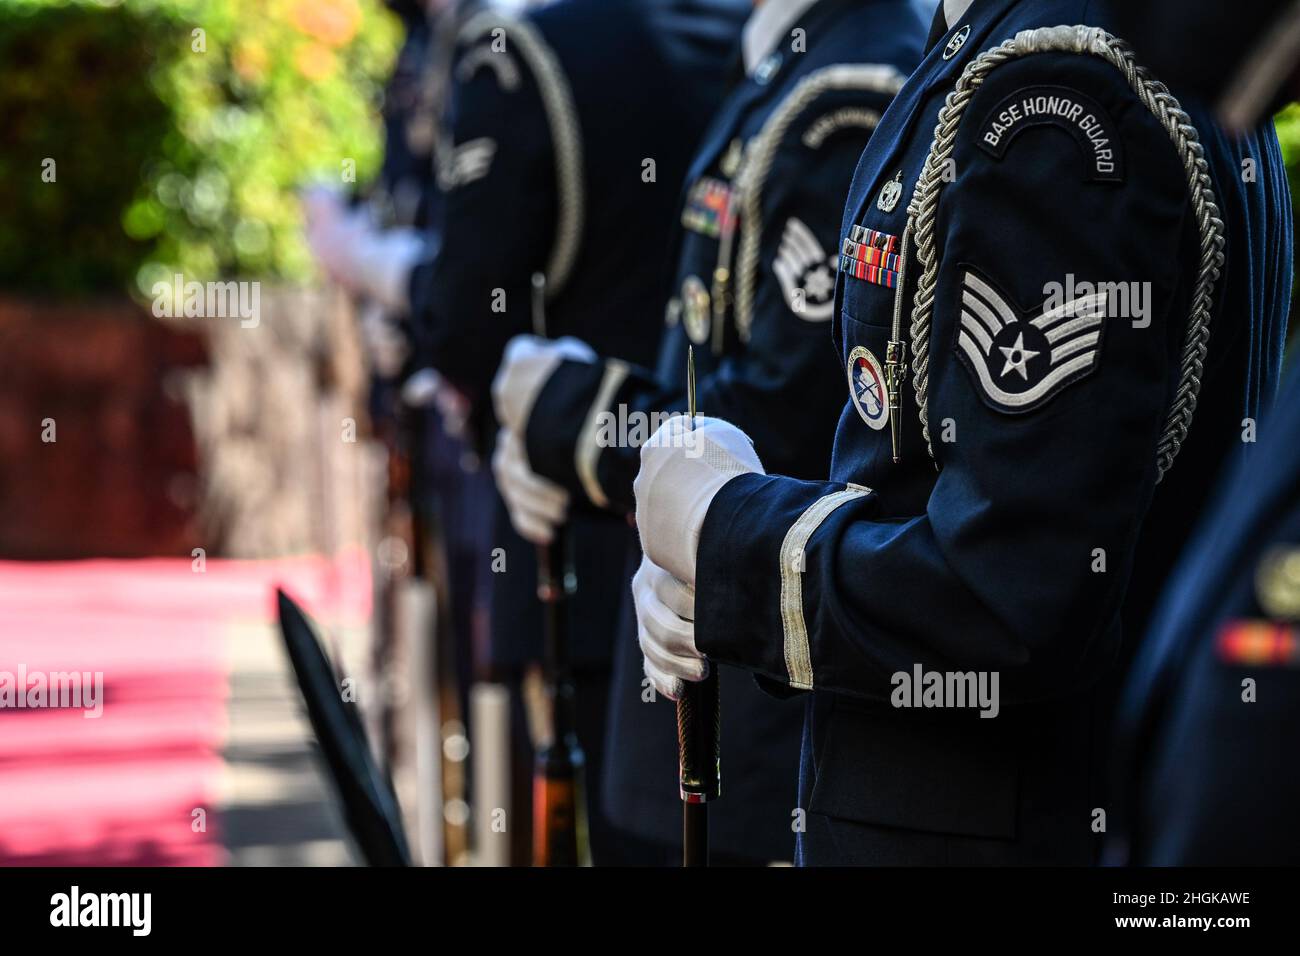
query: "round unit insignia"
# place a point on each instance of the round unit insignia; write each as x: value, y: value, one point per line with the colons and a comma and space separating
x: 697, y: 317
x: 867, y: 388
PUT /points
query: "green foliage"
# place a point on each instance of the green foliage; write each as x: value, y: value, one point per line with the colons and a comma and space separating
x: 180, y: 130
x: 1288, y: 134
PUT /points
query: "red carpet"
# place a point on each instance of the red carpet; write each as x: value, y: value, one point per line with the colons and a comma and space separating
x: 122, y: 788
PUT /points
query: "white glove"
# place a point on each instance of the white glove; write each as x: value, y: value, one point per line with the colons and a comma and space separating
x: 364, y: 260
x: 322, y: 202
x: 537, y: 506
x: 682, y: 468
x: 527, y: 364
x: 427, y: 387
x: 383, y: 339
x: 665, y: 626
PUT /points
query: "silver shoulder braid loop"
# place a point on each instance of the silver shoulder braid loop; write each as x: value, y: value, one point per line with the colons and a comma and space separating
x: 562, y: 118
x: 762, y: 153
x: 922, y: 210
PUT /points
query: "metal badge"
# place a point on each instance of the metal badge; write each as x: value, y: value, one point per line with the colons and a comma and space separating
x: 957, y: 41
x: 1277, y: 583
x: 764, y: 72
x: 891, y: 193
x: 731, y: 158
x: 696, y: 313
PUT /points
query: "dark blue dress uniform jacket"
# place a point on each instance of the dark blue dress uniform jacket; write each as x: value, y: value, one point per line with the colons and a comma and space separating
x: 1211, y: 715
x: 552, y: 120
x: 1022, y: 547
x: 763, y: 199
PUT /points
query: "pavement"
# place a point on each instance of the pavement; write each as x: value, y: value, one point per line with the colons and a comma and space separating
x: 179, y: 737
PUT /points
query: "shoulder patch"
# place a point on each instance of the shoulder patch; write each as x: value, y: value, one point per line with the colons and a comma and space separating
x: 846, y: 117
x: 1075, y: 113
x: 805, y: 273
x: 1021, y: 361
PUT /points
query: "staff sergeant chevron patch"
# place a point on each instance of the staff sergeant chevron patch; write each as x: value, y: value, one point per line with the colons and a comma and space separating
x: 1020, y: 362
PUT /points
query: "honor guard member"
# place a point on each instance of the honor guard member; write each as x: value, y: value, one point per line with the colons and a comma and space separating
x: 756, y: 259
x: 1206, y: 732
x: 570, y: 131
x: 1211, y: 714
x: 1053, y: 311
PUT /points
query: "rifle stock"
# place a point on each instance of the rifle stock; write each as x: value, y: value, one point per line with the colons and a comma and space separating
x: 559, y: 798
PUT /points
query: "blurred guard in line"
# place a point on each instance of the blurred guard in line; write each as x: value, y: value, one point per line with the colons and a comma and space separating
x: 1045, y: 263
x: 437, y: 490
x: 569, y: 133
x: 1211, y: 715
x: 756, y: 260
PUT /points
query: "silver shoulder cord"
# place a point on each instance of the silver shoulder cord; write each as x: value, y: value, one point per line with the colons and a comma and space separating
x: 562, y: 117
x: 923, y: 208
x: 762, y: 153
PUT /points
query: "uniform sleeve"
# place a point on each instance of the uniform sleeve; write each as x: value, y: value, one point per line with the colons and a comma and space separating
x: 777, y: 387
x: 1018, y: 560
x: 498, y: 220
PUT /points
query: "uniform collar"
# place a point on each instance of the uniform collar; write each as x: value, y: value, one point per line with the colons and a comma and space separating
x: 954, y: 10
x: 766, y: 26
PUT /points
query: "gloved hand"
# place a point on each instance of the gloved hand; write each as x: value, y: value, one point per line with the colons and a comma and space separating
x: 526, y: 365
x: 682, y: 468
x: 537, y: 506
x: 665, y: 625
x: 383, y: 340
x: 364, y: 260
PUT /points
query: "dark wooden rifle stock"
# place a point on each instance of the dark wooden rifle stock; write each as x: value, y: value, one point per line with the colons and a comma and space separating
x: 559, y: 796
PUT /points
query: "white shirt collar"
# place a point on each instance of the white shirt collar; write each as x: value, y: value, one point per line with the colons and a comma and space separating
x: 767, y: 26
x: 954, y: 10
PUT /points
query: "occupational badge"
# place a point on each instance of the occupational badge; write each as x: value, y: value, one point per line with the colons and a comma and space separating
x: 891, y: 193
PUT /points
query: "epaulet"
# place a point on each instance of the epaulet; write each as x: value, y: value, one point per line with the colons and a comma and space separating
x: 493, y: 40
x: 763, y: 149
x: 922, y: 210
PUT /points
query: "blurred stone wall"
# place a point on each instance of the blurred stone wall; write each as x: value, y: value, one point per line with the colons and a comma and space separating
x: 171, y: 434
x: 97, y: 454
x: 285, y: 462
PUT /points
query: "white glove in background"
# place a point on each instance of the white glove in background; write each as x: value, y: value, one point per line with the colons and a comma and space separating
x: 383, y: 339
x: 364, y: 260
x: 682, y: 468
x: 665, y: 624
x: 536, y: 505
x: 526, y: 365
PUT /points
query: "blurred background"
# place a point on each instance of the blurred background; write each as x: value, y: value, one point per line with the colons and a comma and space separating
x: 186, y: 466
x: 160, y: 476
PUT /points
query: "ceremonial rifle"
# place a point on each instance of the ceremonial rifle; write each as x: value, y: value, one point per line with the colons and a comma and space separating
x: 559, y: 800
x: 699, y: 726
